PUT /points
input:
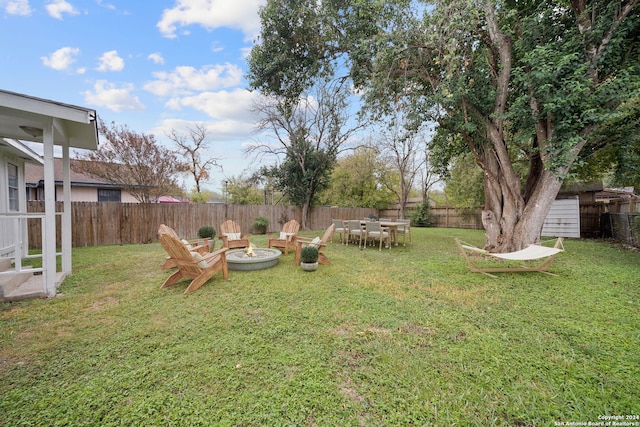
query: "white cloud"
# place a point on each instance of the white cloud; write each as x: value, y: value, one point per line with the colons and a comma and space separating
x: 57, y: 7
x: 110, y: 61
x: 18, y: 7
x: 156, y: 58
x: 220, y: 130
x: 107, y: 95
x: 233, y: 105
x: 246, y: 52
x: 106, y: 5
x: 61, y: 59
x: 185, y: 79
x: 216, y: 46
x: 211, y: 14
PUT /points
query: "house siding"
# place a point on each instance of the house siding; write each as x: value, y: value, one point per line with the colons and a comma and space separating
x: 8, y: 225
x: 83, y: 187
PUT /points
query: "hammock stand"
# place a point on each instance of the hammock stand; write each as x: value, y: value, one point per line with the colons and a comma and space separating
x: 530, y: 253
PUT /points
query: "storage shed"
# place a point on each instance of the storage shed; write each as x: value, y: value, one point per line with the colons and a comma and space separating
x: 563, y: 219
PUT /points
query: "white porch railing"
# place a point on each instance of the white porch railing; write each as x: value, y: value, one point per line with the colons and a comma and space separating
x: 20, y: 243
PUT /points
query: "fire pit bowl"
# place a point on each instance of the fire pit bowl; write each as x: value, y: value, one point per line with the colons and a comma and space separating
x: 238, y: 260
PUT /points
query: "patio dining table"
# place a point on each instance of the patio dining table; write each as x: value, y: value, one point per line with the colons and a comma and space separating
x: 393, y: 229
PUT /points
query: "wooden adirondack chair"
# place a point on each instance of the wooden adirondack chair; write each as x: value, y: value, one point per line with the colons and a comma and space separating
x: 287, y: 238
x: 192, y: 265
x: 232, y: 236
x: 195, y: 245
x: 321, y: 244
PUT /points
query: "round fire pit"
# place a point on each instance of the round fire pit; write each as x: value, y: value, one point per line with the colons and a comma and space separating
x: 237, y: 259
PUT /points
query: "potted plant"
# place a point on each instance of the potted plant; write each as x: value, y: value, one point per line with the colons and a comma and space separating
x: 309, y: 258
x: 208, y: 232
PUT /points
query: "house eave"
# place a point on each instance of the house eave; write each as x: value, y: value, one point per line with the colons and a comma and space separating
x: 17, y: 149
x: 24, y: 117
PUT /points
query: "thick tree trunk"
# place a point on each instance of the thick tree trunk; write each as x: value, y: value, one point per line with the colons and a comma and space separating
x: 510, y: 223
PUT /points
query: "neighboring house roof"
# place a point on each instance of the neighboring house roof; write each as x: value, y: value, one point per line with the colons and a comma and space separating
x: 18, y: 149
x: 34, y: 176
x: 169, y: 199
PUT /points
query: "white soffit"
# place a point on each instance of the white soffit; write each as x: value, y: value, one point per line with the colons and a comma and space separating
x: 24, y: 117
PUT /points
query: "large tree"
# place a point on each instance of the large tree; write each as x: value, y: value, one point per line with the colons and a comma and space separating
x: 310, y: 132
x: 402, y: 147
x: 506, y: 80
x: 133, y: 161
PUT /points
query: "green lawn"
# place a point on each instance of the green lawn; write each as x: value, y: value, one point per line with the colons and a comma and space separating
x: 405, y: 336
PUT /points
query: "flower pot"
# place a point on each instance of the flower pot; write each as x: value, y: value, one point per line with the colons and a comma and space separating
x: 309, y: 266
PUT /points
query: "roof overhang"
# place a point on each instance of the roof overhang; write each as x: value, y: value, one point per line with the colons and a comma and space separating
x: 24, y: 117
x: 15, y: 148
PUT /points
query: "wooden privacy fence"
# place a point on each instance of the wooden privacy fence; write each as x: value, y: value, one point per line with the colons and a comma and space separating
x: 444, y: 217
x: 109, y: 223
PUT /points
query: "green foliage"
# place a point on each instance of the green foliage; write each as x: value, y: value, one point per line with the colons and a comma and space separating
x: 286, y: 27
x: 523, y: 86
x: 406, y: 336
x: 301, y: 184
x: 439, y: 197
x: 617, y: 145
x: 309, y: 254
x: 421, y: 217
x: 244, y: 191
x: 206, y: 231
x: 200, y: 197
x: 260, y: 224
x: 354, y: 182
x: 465, y: 183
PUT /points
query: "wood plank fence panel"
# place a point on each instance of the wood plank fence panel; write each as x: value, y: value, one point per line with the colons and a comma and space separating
x: 108, y: 223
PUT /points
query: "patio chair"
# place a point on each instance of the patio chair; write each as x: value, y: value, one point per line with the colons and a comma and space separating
x: 355, y: 229
x: 193, y: 265
x: 374, y: 231
x: 340, y: 228
x: 405, y: 230
x: 232, y: 236
x: 321, y: 243
x: 194, y: 245
x: 287, y: 237
x: 530, y: 253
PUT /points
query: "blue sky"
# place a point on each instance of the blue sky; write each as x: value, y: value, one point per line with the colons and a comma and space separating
x: 154, y: 65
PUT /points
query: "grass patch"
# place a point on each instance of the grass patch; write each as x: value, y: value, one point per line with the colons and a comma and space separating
x: 405, y: 336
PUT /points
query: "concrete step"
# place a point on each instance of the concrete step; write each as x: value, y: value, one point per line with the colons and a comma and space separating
x: 10, y: 282
x: 31, y: 288
x: 5, y: 264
